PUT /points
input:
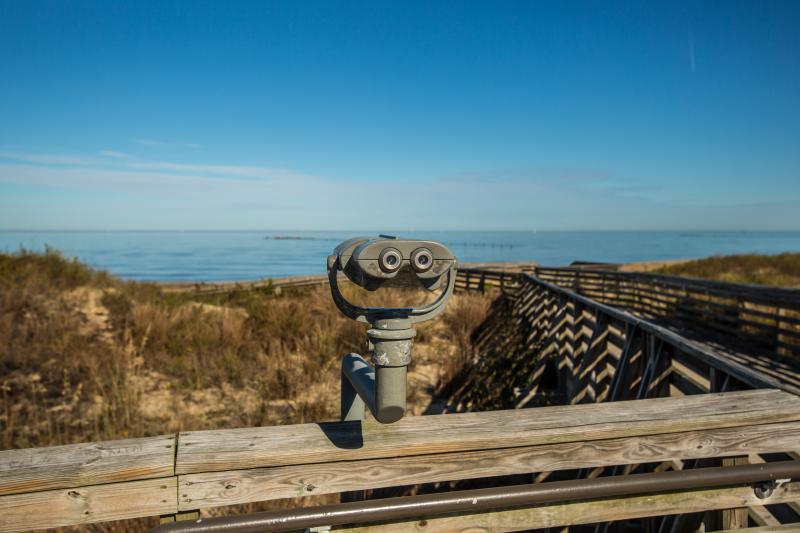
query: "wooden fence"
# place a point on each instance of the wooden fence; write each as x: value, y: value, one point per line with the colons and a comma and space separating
x: 754, y: 317
x: 605, y: 353
x: 170, y: 474
x: 481, y: 279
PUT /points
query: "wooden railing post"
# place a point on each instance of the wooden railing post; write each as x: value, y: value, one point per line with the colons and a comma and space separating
x: 734, y: 518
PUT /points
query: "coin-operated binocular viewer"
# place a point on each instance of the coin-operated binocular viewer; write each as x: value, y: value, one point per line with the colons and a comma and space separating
x: 373, y: 263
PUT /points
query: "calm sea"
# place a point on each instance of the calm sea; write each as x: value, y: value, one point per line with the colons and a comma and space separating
x: 217, y: 256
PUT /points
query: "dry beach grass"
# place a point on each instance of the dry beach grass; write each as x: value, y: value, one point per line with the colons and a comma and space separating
x: 780, y: 269
x: 85, y: 356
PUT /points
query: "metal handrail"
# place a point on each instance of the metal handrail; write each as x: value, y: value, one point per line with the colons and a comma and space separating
x: 483, y: 500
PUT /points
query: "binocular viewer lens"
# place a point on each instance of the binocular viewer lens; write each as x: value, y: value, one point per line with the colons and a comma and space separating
x: 421, y: 259
x: 390, y: 260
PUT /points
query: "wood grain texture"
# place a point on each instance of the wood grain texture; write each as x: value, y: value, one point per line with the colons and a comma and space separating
x: 76, y: 465
x: 734, y: 518
x: 587, y: 512
x: 84, y: 505
x: 761, y: 516
x: 218, y: 450
x: 767, y: 529
x: 244, y: 486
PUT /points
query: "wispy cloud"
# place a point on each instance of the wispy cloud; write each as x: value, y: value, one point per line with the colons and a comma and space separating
x: 114, y: 154
x: 166, y: 144
x: 116, y: 162
x: 119, y: 173
x: 218, y: 170
x: 98, y: 179
x: 48, y: 159
x: 583, y: 181
x: 531, y: 175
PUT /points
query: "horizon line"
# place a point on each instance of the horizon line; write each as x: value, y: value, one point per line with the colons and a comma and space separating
x: 206, y: 230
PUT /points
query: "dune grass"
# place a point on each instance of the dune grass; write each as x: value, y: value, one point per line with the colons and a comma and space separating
x: 779, y: 270
x: 86, y: 356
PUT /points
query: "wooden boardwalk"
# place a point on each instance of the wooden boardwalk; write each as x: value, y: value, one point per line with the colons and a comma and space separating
x: 656, y: 373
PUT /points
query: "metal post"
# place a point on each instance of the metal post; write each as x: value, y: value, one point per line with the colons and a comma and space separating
x: 382, y: 389
x: 352, y: 405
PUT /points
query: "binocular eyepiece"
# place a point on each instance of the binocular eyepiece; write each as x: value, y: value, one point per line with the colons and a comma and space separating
x: 387, y: 261
x: 391, y: 260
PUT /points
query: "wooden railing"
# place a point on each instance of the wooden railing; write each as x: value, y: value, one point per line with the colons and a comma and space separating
x: 481, y: 279
x: 167, y: 475
x: 602, y: 351
x: 763, y: 317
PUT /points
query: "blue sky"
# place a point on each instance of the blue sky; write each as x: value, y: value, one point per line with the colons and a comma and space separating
x: 430, y: 115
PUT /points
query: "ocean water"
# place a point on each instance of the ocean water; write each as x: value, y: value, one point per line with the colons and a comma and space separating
x: 218, y: 256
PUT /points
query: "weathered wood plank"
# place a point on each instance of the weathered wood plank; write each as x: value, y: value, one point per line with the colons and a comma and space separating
x: 680, y: 367
x: 587, y: 512
x: 76, y: 465
x: 84, y: 505
x: 761, y: 516
x: 767, y: 529
x: 734, y: 518
x: 244, y: 486
x: 206, y: 451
